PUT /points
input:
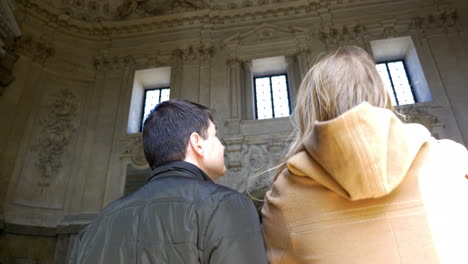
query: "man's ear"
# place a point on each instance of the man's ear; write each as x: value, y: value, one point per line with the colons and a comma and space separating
x: 196, y: 144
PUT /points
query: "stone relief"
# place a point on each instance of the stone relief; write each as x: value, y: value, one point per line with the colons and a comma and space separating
x: 422, y: 114
x: 194, y: 53
x: 262, y: 33
x: 345, y: 35
x: 244, y: 160
x: 144, y: 8
x: 39, y: 51
x: 84, y: 17
x: 249, y: 163
x: 106, y: 62
x: 134, y: 150
x: 58, y: 125
x: 442, y: 19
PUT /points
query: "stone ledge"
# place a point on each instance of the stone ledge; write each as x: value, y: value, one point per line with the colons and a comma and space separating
x: 30, y: 230
x: 70, y: 225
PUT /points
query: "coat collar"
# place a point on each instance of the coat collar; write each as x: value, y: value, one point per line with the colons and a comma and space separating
x: 180, y: 167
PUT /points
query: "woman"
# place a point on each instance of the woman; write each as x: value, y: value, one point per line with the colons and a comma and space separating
x: 358, y: 185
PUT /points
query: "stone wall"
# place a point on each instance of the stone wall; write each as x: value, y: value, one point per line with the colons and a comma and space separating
x: 65, y: 150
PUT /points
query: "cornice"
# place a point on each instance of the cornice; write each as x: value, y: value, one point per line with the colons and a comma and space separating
x: 181, y: 21
x: 204, y: 18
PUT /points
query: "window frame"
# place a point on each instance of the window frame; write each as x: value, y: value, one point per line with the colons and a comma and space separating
x: 144, y: 102
x: 386, y: 62
x: 271, y: 92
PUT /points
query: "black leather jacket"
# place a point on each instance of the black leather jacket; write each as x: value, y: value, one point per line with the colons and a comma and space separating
x: 179, y: 216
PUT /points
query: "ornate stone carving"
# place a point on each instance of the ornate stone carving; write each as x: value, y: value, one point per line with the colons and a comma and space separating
x: 106, y: 62
x: 134, y: 150
x: 157, y: 7
x: 194, y: 53
x: 246, y: 161
x: 39, y: 51
x: 262, y: 33
x: 442, y: 19
x: 422, y: 114
x: 58, y: 125
x: 85, y: 20
x: 345, y: 35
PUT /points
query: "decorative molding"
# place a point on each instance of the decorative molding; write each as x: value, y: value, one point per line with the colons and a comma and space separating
x: 154, y: 61
x: 134, y: 150
x: 146, y: 8
x: 37, y: 50
x: 263, y: 33
x: 187, y: 14
x: 422, y: 113
x: 436, y: 21
x: 58, y: 125
x: 195, y: 53
x: 106, y: 62
x: 344, y: 35
x: 201, y: 17
x: 249, y: 159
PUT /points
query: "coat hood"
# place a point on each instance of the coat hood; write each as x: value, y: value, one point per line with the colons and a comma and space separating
x: 364, y: 153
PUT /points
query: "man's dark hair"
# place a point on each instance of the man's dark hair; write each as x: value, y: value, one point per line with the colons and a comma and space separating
x: 168, y: 127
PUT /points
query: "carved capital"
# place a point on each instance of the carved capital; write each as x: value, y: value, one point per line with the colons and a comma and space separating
x: 104, y: 62
x: 342, y: 35
x: 39, y: 51
x: 234, y: 61
x: 194, y: 53
x: 438, y: 20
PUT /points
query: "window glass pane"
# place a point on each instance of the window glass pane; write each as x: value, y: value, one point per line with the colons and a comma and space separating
x: 151, y: 100
x: 280, y: 95
x: 165, y: 93
x: 401, y: 83
x: 263, y: 98
x: 382, y: 69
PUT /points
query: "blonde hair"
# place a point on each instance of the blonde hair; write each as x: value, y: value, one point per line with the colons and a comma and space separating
x: 339, y: 81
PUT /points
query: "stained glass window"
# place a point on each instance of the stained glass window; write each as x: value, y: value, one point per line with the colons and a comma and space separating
x: 152, y: 98
x: 396, y: 80
x: 271, y: 96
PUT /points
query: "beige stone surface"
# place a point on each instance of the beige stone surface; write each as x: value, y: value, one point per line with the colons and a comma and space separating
x: 35, y: 249
x: 64, y: 146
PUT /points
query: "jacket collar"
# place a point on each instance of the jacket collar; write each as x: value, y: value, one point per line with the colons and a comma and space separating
x: 180, y: 167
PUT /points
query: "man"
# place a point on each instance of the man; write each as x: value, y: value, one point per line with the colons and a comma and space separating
x: 180, y: 215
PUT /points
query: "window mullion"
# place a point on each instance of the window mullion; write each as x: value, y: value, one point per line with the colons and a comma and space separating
x: 391, y: 83
x: 271, y: 97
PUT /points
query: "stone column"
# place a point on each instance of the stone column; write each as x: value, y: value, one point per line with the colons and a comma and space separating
x: 176, y: 74
x: 248, y: 92
x: 235, y: 80
x: 303, y: 62
x: 293, y: 78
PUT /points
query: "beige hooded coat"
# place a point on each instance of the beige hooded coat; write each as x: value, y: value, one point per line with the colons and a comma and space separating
x: 369, y: 189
